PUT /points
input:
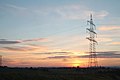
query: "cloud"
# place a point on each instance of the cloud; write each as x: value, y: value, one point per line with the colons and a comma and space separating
x: 74, y: 11
x: 58, y: 57
x: 114, y: 43
x: 54, y: 53
x: 100, y: 14
x: 37, y: 39
x: 4, y: 41
x: 79, y: 12
x: 15, y: 7
x: 107, y: 54
x: 17, y: 48
x: 8, y: 60
x: 108, y: 28
x: 104, y: 39
x: 19, y: 10
x: 23, y: 48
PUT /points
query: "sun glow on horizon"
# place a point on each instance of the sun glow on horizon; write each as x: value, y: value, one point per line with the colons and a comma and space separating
x: 76, y: 63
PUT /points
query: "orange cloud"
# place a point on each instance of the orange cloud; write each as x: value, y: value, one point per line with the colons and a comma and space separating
x: 115, y: 43
x: 107, y: 28
x: 23, y: 48
x: 102, y: 39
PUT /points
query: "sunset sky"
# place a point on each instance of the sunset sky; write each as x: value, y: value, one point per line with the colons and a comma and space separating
x: 52, y: 33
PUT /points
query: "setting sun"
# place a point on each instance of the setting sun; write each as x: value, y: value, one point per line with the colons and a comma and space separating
x: 76, y: 63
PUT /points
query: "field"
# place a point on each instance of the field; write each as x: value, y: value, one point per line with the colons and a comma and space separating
x: 59, y: 73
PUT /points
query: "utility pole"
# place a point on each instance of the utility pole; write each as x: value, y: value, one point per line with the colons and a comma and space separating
x: 92, y: 46
x: 0, y: 60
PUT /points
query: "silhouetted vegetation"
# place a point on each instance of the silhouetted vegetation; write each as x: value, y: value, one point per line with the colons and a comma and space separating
x: 61, y: 73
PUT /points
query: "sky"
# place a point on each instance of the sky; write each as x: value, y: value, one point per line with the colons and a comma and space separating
x: 52, y: 33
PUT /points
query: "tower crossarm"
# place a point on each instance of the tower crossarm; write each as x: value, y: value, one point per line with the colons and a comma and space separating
x: 91, y: 22
x: 91, y: 39
x: 91, y: 31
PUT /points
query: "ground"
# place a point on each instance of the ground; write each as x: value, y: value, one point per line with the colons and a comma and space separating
x: 101, y: 73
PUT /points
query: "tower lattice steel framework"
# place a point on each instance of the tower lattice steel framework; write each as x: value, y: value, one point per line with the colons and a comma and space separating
x: 92, y: 48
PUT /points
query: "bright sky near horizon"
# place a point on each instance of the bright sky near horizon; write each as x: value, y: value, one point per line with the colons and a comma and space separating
x: 53, y: 32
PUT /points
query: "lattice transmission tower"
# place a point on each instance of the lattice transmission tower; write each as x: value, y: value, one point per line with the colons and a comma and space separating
x: 92, y: 62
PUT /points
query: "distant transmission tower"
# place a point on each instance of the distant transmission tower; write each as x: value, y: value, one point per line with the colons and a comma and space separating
x: 0, y: 60
x: 92, y: 49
